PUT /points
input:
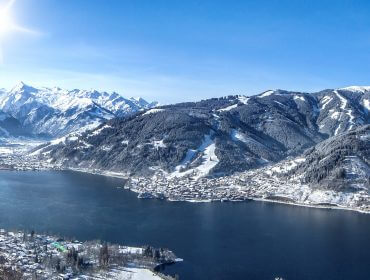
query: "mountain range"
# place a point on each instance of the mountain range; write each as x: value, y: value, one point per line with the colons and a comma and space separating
x: 222, y: 136
x: 290, y: 146
x: 54, y: 112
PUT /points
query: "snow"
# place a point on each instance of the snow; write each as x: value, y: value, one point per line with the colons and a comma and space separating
x: 297, y: 97
x: 243, y: 99
x: 18, y: 86
x: 92, y: 124
x: 361, y: 89
x: 238, y: 136
x: 343, y: 106
x: 140, y: 101
x: 301, y: 194
x: 351, y: 117
x: 266, y: 93
x: 5, y: 150
x: 153, y: 111
x: 98, y: 131
x: 286, y: 166
x: 106, y: 148
x: 342, y: 99
x: 209, y: 159
x: 338, y: 127
x: 279, y: 103
x: 367, y: 104
x: 332, y: 197
x: 134, y: 273
x: 131, y: 250
x: 85, y: 145
x: 159, y: 144
x: 17, y: 97
x: 356, y: 167
x: 188, y: 158
x: 325, y: 101
x: 58, y: 141
x: 66, y: 110
x: 365, y: 137
x: 334, y: 115
x: 228, y: 108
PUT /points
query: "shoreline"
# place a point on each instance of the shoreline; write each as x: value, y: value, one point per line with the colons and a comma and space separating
x: 101, y: 173
x: 193, y: 200
x: 312, y: 205
x: 117, y: 175
x: 30, y: 253
x: 275, y: 201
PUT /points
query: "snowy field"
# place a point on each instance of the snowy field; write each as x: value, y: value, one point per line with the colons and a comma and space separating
x: 132, y: 274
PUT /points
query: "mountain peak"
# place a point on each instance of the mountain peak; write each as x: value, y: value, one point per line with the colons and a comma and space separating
x: 21, y: 86
x: 141, y: 102
x: 137, y: 98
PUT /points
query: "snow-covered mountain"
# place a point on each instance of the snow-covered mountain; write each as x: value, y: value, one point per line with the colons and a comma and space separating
x: 55, y: 112
x: 343, y: 109
x: 296, y: 147
x: 217, y: 136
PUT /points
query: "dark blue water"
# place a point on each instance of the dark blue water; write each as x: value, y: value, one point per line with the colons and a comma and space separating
x: 251, y: 240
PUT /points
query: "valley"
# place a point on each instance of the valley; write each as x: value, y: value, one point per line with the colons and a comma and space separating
x: 299, y: 149
x: 288, y: 147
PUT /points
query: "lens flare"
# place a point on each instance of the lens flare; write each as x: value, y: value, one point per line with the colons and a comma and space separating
x: 6, y: 23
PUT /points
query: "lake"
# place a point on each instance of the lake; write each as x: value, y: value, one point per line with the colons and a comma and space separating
x: 246, y: 240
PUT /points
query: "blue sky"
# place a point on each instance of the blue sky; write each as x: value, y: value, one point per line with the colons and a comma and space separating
x: 178, y: 50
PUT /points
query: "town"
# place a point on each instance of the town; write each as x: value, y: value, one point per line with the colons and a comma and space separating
x: 269, y: 183
x: 36, y: 256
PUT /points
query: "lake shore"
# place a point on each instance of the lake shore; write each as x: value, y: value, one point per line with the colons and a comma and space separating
x: 156, y: 188
x: 29, y: 255
x: 194, y: 200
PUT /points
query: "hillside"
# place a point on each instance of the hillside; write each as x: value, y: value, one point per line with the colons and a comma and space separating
x: 217, y: 136
x: 339, y: 163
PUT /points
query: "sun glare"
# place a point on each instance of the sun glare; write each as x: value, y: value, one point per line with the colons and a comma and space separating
x: 5, y: 22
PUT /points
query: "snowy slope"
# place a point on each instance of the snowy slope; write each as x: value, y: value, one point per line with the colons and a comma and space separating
x: 342, y: 109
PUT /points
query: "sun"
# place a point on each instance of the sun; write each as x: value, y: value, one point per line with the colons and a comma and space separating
x: 6, y: 23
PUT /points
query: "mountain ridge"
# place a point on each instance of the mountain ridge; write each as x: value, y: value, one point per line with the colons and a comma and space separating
x: 216, y: 136
x: 55, y: 112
